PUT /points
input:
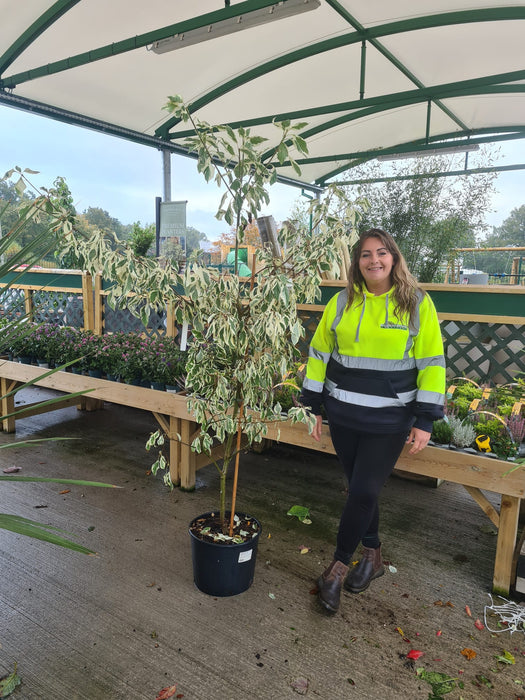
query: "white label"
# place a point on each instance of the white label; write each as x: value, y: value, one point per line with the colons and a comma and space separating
x: 184, y: 338
x: 245, y: 556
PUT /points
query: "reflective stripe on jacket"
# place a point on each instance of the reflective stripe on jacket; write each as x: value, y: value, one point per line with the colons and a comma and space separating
x: 371, y: 368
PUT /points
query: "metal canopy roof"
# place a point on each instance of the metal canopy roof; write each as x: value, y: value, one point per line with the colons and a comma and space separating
x: 370, y: 78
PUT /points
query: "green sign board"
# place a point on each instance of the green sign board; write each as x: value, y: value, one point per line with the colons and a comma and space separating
x: 173, y: 224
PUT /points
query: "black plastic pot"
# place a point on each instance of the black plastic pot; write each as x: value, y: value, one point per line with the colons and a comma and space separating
x: 223, y: 569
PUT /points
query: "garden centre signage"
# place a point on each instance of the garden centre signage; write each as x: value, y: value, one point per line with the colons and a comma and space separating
x: 173, y: 224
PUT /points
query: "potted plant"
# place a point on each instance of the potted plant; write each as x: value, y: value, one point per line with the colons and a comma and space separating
x: 165, y: 364
x: 243, y: 335
x: 486, y: 419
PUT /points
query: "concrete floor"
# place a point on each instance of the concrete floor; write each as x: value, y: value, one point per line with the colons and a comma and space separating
x: 129, y: 622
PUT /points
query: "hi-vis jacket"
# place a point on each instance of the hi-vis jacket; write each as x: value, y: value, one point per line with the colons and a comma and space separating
x: 374, y: 371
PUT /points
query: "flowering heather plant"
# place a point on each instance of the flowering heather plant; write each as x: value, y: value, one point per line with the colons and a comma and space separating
x: 516, y: 427
x: 163, y: 361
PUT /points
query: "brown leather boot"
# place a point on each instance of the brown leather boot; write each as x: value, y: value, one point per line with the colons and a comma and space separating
x: 330, y: 583
x: 369, y: 568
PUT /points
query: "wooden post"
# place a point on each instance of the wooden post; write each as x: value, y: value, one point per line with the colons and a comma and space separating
x: 175, y: 428
x: 98, y: 326
x: 507, y: 533
x: 7, y: 404
x: 171, y: 330
x: 187, y: 457
x: 87, y: 301
x: 28, y: 302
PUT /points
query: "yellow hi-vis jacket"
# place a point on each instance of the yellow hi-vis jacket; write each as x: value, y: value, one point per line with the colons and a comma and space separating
x: 374, y: 371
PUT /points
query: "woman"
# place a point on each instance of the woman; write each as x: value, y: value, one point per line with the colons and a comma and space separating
x: 376, y: 364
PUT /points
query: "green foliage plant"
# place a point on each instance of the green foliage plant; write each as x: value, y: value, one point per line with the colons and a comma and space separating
x: 141, y: 238
x: 41, y: 208
x: 243, y: 336
x: 463, y: 432
x: 441, y: 432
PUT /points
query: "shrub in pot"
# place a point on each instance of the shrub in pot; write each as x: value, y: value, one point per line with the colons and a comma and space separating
x: 243, y: 335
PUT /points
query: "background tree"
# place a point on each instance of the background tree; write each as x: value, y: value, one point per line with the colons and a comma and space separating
x: 102, y: 220
x: 193, y: 238
x: 142, y: 238
x: 13, y: 197
x: 173, y: 251
x: 428, y: 216
x: 511, y: 233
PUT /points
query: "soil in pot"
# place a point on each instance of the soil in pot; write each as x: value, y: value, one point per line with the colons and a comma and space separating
x: 223, y: 566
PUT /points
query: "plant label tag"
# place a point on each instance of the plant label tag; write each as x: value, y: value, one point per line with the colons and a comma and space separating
x: 184, y: 337
x: 245, y: 556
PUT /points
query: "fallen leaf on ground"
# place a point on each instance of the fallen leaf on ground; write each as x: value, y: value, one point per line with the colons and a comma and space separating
x: 467, y: 610
x: 506, y: 658
x: 469, y: 654
x: 166, y: 693
x: 488, y: 530
x: 300, y: 685
x: 414, y: 654
x: 479, y: 624
x: 303, y: 549
x: 9, y: 683
x: 483, y: 680
x: 398, y: 629
x: 64, y: 491
x: 440, y: 683
x: 439, y: 633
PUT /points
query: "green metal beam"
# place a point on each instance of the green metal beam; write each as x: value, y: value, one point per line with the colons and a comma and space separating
x: 133, y: 43
x: 389, y: 29
x: 343, y: 12
x: 467, y: 88
x: 425, y: 176
x: 394, y: 104
x: 418, y: 144
x: 363, y: 71
x: 103, y: 127
x: 38, y: 27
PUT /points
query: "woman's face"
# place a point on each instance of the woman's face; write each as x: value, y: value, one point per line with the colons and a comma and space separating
x: 375, y: 264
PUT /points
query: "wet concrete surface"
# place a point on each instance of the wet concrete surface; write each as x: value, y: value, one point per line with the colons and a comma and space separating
x: 129, y: 622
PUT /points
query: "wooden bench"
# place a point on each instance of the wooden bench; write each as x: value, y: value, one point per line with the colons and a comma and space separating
x: 475, y: 472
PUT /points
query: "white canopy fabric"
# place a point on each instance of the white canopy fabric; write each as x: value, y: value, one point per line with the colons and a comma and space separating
x: 369, y: 78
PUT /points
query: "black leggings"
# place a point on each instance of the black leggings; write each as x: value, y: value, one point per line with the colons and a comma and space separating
x: 368, y: 460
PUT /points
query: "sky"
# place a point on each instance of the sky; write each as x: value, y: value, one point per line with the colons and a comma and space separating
x: 124, y: 178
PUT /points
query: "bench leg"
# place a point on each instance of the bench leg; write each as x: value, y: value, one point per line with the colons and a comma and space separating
x: 187, y: 457
x: 175, y: 450
x: 507, y: 533
x: 7, y: 404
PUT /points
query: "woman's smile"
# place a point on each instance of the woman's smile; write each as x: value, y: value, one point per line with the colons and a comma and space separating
x: 375, y: 264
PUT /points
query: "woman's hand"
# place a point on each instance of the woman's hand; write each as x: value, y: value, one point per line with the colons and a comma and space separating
x: 316, y: 432
x: 419, y: 439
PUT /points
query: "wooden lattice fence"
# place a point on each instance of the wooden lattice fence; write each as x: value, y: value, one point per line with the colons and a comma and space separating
x: 483, y: 327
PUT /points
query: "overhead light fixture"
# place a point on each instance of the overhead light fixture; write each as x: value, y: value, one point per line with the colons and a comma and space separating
x: 280, y: 10
x: 430, y: 152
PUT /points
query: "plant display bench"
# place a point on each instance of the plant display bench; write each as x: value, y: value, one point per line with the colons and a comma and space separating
x: 475, y: 472
x: 169, y: 409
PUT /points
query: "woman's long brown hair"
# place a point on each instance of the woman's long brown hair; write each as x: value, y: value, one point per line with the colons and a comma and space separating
x: 404, y: 283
